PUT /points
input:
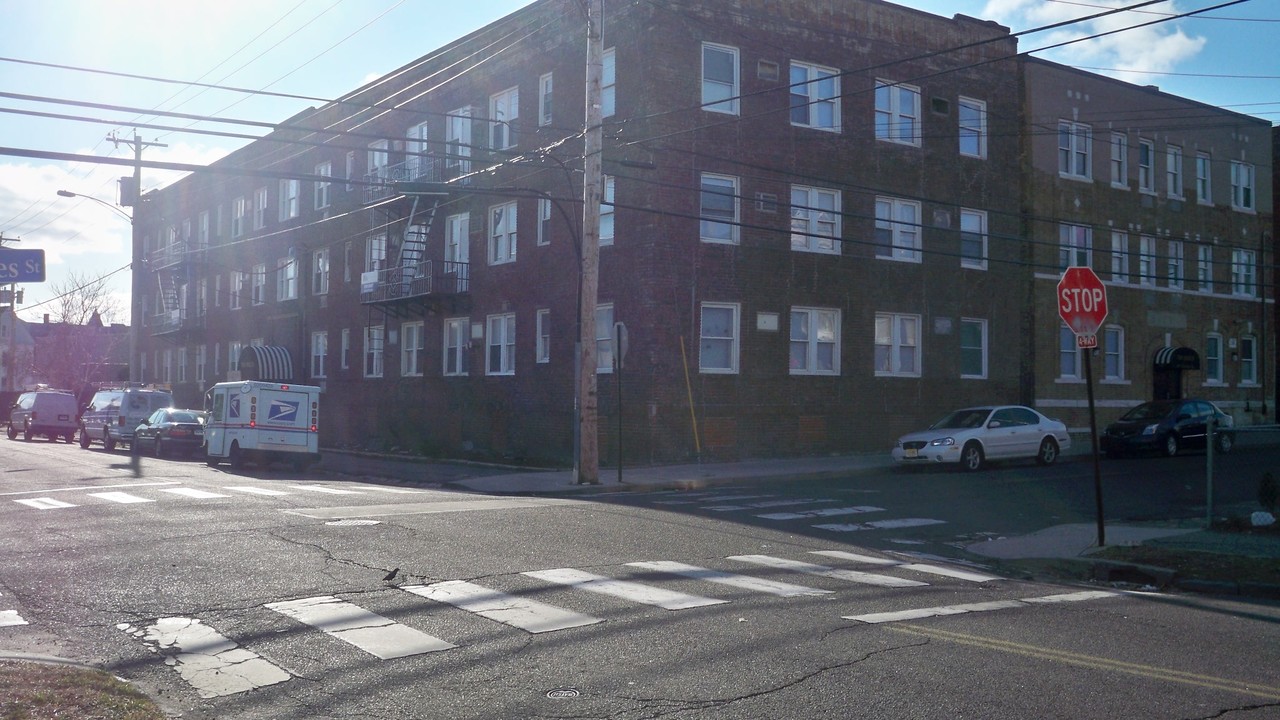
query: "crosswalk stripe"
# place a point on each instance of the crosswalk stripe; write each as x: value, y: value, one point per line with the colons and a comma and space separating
x: 769, y: 504
x: 193, y: 493
x: 918, y: 567
x: 822, y: 512
x: 919, y: 613
x: 528, y: 615
x: 11, y: 618
x: 746, y: 582
x: 399, y: 491
x: 212, y: 664
x: 121, y: 497
x: 331, y: 491
x: 256, y: 490
x: 882, y: 524
x: 636, y: 592
x: 381, y: 637
x: 44, y: 503
x: 825, y: 571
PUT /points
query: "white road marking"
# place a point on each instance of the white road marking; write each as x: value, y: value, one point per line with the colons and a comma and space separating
x: 193, y: 493
x: 825, y: 571
x: 89, y: 487
x: 918, y: 567
x: 424, y: 508
x: 331, y: 491
x: 11, y: 618
x: 745, y: 582
x: 212, y: 664
x: 256, y: 490
x: 881, y: 525
x: 528, y: 615
x: 768, y: 504
x: 822, y: 512
x: 121, y: 497
x: 380, y: 488
x: 733, y: 498
x: 1071, y: 597
x: 633, y: 591
x: 372, y: 633
x: 919, y: 613
x: 44, y: 503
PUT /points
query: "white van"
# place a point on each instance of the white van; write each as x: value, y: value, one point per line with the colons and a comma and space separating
x: 114, y: 413
x: 50, y: 413
x: 257, y: 421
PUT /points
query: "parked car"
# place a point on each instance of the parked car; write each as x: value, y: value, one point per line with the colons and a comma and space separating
x: 1167, y: 426
x: 972, y: 436
x: 170, y: 430
x: 49, y: 413
x: 113, y: 413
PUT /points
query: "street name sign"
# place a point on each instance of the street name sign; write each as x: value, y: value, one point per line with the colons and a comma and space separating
x: 21, y: 266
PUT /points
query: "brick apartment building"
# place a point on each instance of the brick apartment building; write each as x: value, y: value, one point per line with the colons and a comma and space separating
x: 823, y: 226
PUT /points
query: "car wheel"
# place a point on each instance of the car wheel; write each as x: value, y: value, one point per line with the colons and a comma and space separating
x: 1048, y: 452
x: 211, y: 461
x: 69, y: 437
x: 236, y: 457
x: 1170, y: 445
x: 26, y: 434
x: 1225, y: 442
x: 13, y: 434
x: 158, y: 449
x: 84, y: 438
x: 108, y: 442
x: 971, y: 457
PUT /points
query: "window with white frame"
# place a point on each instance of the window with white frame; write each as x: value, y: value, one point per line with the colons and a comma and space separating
x: 1204, y: 267
x: 1204, y: 183
x: 1112, y: 353
x: 718, y: 338
x: 344, y: 349
x: 1119, y: 256
x: 1176, y: 269
x: 217, y: 289
x: 456, y: 238
x: 720, y: 78
x: 1248, y: 360
x: 321, y: 198
x: 1241, y: 186
x: 233, y: 355
x: 608, y: 83
x: 815, y: 96
x: 320, y: 272
x: 815, y: 219
x: 202, y: 358
x: 718, y: 209
x: 202, y: 296
x: 290, y: 199
x: 604, y: 338
x: 416, y: 161
x: 202, y: 229
x: 239, y: 209
x: 897, y: 231
x: 217, y: 359
x: 1146, y: 166
x: 815, y: 341
x: 319, y: 349
x: 1173, y: 171
x: 973, y: 348
x: 1070, y: 357
x: 182, y: 365
x: 286, y: 278
x: 504, y: 109
x: 972, y: 117
x: 258, y: 284
x: 374, y: 336
x: 973, y: 239
x: 544, y: 221
x: 897, y: 113
x: 375, y: 252
x: 1244, y: 272
x: 1075, y: 245
x: 457, y: 140
x: 457, y: 346
x: 500, y: 339
x: 1075, y: 141
x: 502, y: 233
x: 544, y: 99
x: 1120, y: 160
x: 379, y: 160
x: 897, y: 342
x: 606, y: 211
x: 1146, y: 260
x: 412, y: 344
x: 260, y: 208
x: 350, y: 167
x: 542, y: 352
x: 166, y: 374
x: 1213, y: 359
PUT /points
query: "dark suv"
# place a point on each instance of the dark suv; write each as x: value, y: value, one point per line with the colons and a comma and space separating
x: 1168, y: 426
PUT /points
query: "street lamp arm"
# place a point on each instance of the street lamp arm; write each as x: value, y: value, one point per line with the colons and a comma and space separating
x: 104, y: 203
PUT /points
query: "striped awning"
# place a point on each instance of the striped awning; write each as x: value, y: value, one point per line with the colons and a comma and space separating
x: 266, y: 362
x: 1177, y: 358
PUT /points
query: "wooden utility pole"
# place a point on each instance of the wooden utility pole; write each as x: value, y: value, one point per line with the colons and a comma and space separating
x: 587, y: 469
x: 133, y: 199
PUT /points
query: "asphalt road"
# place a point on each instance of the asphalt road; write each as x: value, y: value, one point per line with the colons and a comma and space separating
x: 264, y: 595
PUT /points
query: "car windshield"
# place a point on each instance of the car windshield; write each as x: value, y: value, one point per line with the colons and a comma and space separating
x: 183, y: 416
x: 1149, y: 411
x: 962, y: 419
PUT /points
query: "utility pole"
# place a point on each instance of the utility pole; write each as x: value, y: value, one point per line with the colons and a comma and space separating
x: 11, y: 365
x: 133, y: 199
x: 587, y: 468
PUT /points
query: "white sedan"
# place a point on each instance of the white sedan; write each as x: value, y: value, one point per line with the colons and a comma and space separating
x: 974, y: 435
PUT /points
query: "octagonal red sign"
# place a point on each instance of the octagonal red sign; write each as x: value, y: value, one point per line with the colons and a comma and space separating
x: 1082, y: 300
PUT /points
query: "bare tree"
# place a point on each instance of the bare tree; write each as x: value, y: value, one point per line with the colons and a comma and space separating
x: 80, y: 296
x: 80, y: 346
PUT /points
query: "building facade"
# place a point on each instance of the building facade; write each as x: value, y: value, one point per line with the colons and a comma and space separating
x: 822, y: 226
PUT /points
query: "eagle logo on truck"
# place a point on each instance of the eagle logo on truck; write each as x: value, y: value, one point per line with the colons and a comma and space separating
x: 282, y: 411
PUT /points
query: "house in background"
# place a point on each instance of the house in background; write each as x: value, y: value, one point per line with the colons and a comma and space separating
x: 79, y: 357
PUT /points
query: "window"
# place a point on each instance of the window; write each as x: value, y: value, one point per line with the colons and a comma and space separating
x: 606, y: 212
x: 319, y: 348
x: 182, y: 365
x: 1120, y: 160
x: 544, y: 221
x: 504, y: 109
x: 1147, y: 260
x: 202, y: 230
x: 217, y: 290
x: 1075, y: 245
x: 502, y: 233
x: 167, y: 366
x: 501, y: 342
x: 350, y: 167
x: 233, y: 356
x: 1204, y: 267
x: 608, y: 83
x: 1070, y: 357
x: 1146, y: 169
x: 202, y: 355
x: 815, y: 219
x: 202, y: 296
x: 379, y: 160
x: 416, y: 161
x: 1204, y: 184
x: 1173, y: 171
x: 1213, y: 359
x: 321, y: 186
x: 1176, y: 266
x: 290, y: 199
x: 1119, y: 257
x: 217, y: 359
x: 897, y: 113
x: 239, y: 208
x: 457, y: 232
x: 375, y: 252
x: 718, y: 209
x: 260, y: 209
x: 815, y: 97
x: 258, y: 284
x: 373, y: 341
x: 973, y: 348
x: 897, y: 233
x: 1113, y: 353
x: 718, y: 338
x: 973, y: 127
x: 286, y: 278
x: 544, y: 99
x: 815, y: 341
x: 1241, y: 186
x: 720, y: 79
x: 320, y: 272
x: 1074, y: 144
x: 1248, y: 360
x: 457, y: 140
x: 457, y: 342
x: 344, y: 358
x: 1244, y: 273
x: 897, y: 345
x: 542, y: 352
x: 973, y: 239
x: 412, y: 344
x: 604, y: 338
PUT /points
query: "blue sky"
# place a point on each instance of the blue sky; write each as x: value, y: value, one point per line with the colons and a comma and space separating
x: 323, y: 48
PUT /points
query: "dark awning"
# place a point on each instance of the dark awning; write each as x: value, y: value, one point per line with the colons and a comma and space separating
x: 1177, y: 358
x: 266, y: 362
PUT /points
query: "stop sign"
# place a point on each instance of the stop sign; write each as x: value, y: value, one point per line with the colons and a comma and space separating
x: 1082, y: 300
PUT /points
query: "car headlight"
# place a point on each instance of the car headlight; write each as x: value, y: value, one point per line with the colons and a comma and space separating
x: 1150, y: 429
x: 943, y: 441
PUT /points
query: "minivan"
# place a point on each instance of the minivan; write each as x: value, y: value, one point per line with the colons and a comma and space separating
x: 50, y: 413
x: 114, y: 413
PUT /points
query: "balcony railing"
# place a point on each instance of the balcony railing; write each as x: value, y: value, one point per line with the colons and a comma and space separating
x: 427, y: 278
x: 172, y: 321
x: 418, y: 169
x: 175, y: 253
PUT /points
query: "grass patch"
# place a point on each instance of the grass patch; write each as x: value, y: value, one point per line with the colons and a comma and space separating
x: 37, y: 691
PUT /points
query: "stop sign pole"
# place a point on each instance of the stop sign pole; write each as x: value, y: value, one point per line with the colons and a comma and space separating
x: 1082, y: 305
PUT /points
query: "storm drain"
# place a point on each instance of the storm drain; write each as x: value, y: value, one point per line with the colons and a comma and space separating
x: 352, y: 523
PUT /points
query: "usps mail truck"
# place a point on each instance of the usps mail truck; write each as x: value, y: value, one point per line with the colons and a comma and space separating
x: 260, y: 422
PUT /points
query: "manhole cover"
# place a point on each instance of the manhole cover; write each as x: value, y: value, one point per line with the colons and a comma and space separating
x: 563, y: 693
x: 349, y: 523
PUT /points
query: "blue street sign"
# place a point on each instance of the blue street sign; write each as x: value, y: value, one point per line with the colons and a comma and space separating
x: 21, y: 266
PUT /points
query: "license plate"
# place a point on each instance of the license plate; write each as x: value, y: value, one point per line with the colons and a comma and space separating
x: 910, y: 452
x: 64, y: 418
